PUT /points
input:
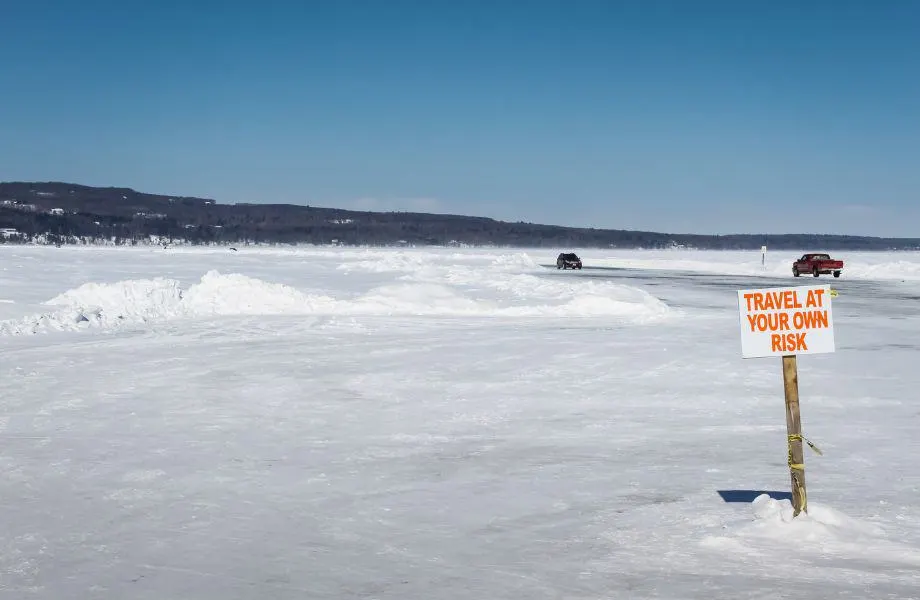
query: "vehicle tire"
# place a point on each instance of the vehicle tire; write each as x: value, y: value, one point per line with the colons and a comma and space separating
x: 836, y: 273
x: 816, y: 272
x: 795, y: 272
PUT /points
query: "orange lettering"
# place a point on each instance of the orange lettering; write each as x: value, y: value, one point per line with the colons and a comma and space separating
x: 821, y: 319
x: 770, y: 301
x: 775, y: 341
x: 814, y: 319
x: 784, y: 321
x: 789, y: 342
x: 773, y: 322
x: 778, y: 300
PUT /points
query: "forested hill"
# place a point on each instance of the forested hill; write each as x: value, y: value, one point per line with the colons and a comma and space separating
x: 62, y: 212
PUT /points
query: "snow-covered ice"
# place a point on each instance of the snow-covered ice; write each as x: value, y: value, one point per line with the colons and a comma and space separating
x: 444, y: 423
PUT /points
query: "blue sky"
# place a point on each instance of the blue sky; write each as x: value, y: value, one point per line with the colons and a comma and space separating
x: 703, y: 117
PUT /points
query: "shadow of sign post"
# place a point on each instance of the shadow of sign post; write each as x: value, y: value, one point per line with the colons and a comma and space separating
x: 748, y: 496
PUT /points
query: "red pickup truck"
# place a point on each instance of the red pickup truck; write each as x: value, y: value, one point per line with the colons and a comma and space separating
x: 817, y: 264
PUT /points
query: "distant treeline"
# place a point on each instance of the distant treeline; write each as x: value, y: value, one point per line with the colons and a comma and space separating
x: 53, y: 212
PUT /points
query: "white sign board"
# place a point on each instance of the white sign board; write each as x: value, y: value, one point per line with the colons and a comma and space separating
x: 786, y: 321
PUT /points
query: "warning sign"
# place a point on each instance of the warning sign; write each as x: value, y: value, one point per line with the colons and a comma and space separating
x: 786, y: 321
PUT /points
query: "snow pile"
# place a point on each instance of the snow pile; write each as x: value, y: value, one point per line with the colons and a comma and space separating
x: 516, y: 262
x: 386, y: 263
x: 133, y: 302
x: 417, y: 299
x: 632, y: 302
x: 504, y: 287
x: 529, y: 294
x: 236, y: 294
x: 822, y: 532
x: 531, y: 286
x: 619, y: 302
x: 105, y: 306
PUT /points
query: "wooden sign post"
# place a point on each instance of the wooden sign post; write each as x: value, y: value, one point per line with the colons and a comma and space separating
x: 787, y: 322
x: 796, y: 456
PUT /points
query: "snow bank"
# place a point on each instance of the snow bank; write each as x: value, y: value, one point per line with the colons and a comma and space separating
x: 503, y: 285
x: 134, y: 302
x: 431, y: 299
x: 413, y: 261
x: 881, y: 266
x: 900, y: 270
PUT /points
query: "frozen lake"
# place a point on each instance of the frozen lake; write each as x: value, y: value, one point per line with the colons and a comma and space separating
x: 444, y: 424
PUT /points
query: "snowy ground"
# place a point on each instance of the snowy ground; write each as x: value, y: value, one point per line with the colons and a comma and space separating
x: 419, y: 424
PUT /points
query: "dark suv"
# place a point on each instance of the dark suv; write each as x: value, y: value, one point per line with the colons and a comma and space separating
x: 567, y: 260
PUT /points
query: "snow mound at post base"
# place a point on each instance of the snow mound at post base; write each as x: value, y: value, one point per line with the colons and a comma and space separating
x: 136, y: 302
x: 820, y: 521
x: 822, y: 535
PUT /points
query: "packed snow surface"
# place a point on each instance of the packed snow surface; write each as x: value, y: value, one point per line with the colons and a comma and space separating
x: 445, y: 423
